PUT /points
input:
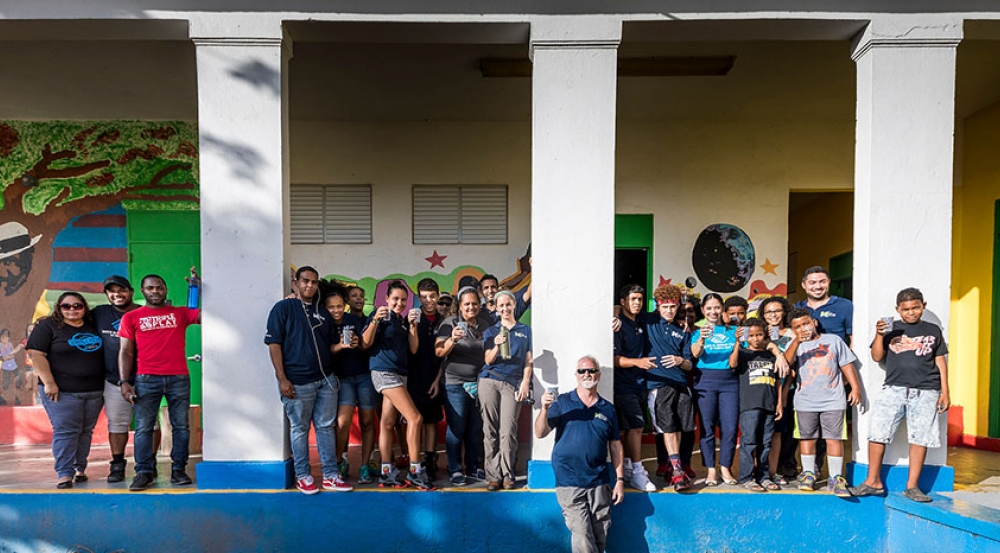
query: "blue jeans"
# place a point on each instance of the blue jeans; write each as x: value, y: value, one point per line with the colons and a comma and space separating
x: 358, y: 390
x: 465, y: 427
x: 73, y: 419
x: 717, y: 393
x: 314, y: 403
x: 150, y: 389
x: 757, y: 428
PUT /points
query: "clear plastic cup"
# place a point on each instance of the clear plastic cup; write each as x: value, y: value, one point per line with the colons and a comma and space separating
x: 888, y: 323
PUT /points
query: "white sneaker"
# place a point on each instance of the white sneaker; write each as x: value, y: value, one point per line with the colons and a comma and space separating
x: 640, y: 480
x: 628, y: 470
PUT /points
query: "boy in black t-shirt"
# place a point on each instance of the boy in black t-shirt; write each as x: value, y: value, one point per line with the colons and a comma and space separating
x: 916, y: 387
x: 760, y: 404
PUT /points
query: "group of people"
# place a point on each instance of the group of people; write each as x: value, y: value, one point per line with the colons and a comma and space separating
x: 120, y: 357
x: 784, y: 377
x: 465, y: 359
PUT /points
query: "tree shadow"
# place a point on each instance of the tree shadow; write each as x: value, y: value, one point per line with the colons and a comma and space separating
x: 260, y: 76
x: 244, y: 161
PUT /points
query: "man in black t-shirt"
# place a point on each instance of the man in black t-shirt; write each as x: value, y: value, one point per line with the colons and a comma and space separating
x: 916, y: 387
x: 424, y: 368
x: 119, y: 412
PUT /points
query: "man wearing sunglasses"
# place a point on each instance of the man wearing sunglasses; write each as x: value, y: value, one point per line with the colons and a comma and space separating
x: 586, y: 427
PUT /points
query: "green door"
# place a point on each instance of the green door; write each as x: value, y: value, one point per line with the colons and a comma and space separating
x: 167, y: 243
x: 634, y: 253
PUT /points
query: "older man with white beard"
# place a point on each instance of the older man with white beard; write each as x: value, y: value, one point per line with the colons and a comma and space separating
x: 586, y: 426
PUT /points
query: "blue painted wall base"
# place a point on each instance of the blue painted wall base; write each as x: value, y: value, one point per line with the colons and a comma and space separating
x: 245, y: 475
x: 944, y: 525
x: 540, y: 475
x: 933, y: 478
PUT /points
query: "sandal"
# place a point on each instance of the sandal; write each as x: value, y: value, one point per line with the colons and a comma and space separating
x: 864, y: 490
x: 779, y: 480
x: 769, y: 485
x: 754, y: 487
x: 914, y: 494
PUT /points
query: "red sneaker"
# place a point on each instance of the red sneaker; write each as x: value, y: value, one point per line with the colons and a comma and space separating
x: 680, y: 482
x: 663, y: 471
x: 307, y: 485
x: 336, y: 484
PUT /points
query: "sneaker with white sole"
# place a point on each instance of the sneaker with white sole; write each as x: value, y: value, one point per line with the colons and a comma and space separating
x: 336, y: 484
x: 640, y: 480
x: 307, y: 485
x: 627, y: 473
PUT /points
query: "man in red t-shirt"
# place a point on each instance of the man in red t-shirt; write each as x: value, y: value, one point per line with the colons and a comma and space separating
x: 155, y: 333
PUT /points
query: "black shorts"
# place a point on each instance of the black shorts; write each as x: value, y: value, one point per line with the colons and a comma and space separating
x: 631, y: 410
x: 671, y: 409
x: 431, y: 409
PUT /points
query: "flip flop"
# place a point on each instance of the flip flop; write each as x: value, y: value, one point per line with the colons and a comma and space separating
x: 864, y: 490
x: 779, y: 480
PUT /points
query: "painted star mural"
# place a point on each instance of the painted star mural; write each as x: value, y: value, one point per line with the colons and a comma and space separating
x: 769, y: 268
x: 436, y: 260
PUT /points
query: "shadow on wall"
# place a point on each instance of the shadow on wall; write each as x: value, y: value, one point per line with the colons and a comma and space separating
x: 259, y: 75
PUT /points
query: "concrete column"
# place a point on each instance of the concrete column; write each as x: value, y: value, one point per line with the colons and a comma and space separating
x: 903, y: 200
x: 572, y: 204
x: 243, y: 135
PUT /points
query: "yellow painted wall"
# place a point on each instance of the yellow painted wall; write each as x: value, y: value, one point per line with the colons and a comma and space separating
x: 972, y: 269
x: 818, y: 230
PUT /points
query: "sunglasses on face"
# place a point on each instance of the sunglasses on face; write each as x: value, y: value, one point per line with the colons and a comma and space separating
x: 71, y: 306
x: 444, y: 303
x: 587, y: 371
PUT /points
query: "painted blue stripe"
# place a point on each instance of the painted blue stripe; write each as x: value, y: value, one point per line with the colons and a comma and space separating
x: 933, y: 478
x: 85, y: 271
x: 256, y: 475
x: 92, y: 237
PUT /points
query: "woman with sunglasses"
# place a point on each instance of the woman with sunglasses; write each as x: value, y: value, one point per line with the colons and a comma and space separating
x: 717, y: 389
x: 65, y: 348
x: 503, y: 385
x: 460, y: 343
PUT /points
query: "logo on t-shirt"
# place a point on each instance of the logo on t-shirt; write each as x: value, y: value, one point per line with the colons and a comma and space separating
x: 157, y: 322
x: 826, y: 314
x: 85, y: 341
x: 919, y: 345
x: 601, y: 417
x: 761, y: 372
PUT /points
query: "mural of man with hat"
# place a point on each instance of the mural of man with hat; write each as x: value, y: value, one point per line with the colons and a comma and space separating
x: 17, y: 250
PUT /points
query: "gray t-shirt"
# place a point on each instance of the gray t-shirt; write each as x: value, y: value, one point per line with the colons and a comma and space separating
x: 467, y: 358
x: 820, y: 386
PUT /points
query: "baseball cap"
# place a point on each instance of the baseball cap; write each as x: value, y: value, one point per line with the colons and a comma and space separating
x: 117, y: 280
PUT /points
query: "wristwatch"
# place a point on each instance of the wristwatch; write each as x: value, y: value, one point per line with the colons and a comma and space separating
x: 621, y: 478
x: 120, y: 382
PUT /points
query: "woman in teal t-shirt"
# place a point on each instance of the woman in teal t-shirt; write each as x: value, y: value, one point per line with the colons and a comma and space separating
x: 717, y: 389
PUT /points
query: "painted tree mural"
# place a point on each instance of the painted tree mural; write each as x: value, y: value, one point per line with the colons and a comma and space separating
x: 53, y: 171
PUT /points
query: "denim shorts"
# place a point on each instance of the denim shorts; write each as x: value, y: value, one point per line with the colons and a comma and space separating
x: 919, y: 407
x: 358, y: 390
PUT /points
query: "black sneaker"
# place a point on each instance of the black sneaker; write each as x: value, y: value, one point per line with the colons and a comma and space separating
x: 117, y: 473
x: 391, y: 480
x: 141, y: 481
x: 179, y: 477
x: 419, y: 480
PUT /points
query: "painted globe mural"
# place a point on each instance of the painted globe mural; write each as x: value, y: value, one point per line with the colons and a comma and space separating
x: 723, y: 258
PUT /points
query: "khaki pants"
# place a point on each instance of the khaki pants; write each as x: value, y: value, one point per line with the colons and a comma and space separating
x: 588, y: 516
x: 500, y: 413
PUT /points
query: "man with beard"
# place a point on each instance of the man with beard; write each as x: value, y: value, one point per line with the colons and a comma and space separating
x: 108, y: 319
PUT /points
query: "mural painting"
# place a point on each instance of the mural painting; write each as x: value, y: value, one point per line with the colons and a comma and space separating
x: 375, y: 287
x: 66, y: 189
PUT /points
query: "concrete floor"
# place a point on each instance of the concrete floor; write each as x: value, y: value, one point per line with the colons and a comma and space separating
x: 977, y: 473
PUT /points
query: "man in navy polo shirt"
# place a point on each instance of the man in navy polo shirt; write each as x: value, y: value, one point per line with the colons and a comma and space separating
x: 630, y: 383
x: 586, y: 427
x: 832, y: 313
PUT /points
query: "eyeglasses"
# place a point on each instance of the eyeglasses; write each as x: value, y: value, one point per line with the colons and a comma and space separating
x: 72, y: 306
x: 587, y: 370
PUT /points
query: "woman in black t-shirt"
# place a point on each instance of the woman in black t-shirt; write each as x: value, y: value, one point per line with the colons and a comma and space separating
x: 66, y: 350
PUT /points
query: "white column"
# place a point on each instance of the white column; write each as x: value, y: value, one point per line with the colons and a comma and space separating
x: 242, y: 126
x: 572, y: 203
x: 903, y: 196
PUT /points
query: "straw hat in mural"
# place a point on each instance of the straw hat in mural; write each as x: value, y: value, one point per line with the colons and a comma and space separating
x: 14, y: 239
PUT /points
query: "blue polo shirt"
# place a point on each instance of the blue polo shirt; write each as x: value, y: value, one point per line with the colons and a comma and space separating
x: 630, y: 342
x: 350, y: 362
x: 391, y: 347
x: 715, y: 355
x: 303, y: 331
x: 510, y: 370
x: 833, y: 317
x: 579, y: 457
x: 665, y: 338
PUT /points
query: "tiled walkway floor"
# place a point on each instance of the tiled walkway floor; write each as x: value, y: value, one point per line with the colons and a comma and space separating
x: 30, y: 468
